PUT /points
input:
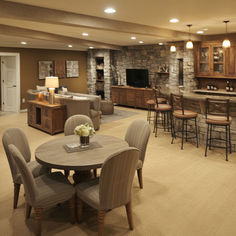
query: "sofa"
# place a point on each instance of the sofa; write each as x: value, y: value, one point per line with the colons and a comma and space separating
x: 76, y: 103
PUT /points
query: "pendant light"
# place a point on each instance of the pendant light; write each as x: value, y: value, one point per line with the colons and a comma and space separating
x: 172, y: 48
x: 226, y: 42
x: 189, y: 44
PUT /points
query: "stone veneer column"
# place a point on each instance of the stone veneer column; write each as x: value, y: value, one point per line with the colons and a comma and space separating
x: 91, y: 71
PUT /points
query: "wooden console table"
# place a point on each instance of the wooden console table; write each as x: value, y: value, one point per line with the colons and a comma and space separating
x: 131, y: 96
x: 47, y: 117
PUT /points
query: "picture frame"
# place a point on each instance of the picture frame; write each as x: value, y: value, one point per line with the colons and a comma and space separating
x: 45, y: 69
x: 60, y: 69
x: 72, y: 69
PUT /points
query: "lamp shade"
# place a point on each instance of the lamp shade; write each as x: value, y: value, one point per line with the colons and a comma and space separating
x: 189, y: 45
x: 52, y: 82
x: 172, y: 48
x: 226, y: 43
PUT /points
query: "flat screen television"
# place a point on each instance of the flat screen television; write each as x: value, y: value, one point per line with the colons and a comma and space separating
x: 137, y: 78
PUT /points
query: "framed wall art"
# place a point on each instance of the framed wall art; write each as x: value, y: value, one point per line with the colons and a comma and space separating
x: 45, y: 69
x: 72, y: 69
x: 60, y: 69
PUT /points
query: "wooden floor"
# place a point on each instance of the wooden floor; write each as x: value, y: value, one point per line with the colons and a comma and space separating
x: 185, y: 194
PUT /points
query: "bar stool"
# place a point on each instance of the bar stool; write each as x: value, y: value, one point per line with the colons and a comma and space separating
x: 151, y: 105
x: 180, y: 113
x: 218, y: 114
x: 166, y: 113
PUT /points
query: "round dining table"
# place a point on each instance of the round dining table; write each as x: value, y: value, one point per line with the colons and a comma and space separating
x: 53, y: 154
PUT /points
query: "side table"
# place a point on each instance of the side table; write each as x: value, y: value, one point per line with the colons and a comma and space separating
x: 47, y: 117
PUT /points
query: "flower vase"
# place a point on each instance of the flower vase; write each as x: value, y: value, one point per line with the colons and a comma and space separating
x: 84, y: 141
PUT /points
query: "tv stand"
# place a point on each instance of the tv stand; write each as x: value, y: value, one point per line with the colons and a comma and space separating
x: 131, y: 96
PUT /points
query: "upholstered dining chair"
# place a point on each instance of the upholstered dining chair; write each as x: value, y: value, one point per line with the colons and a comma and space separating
x: 112, y: 189
x: 74, y: 121
x: 137, y: 135
x: 44, y: 191
x: 17, y: 137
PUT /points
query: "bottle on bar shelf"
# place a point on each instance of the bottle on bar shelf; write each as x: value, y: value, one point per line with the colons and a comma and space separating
x: 227, y: 86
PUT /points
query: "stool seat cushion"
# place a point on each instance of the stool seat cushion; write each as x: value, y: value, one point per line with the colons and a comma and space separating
x: 150, y: 102
x: 187, y: 114
x: 163, y: 107
x: 160, y: 101
x: 218, y: 120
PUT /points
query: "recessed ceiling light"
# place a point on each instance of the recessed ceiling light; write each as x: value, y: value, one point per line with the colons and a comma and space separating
x: 109, y: 10
x: 140, y: 41
x: 70, y: 46
x: 133, y: 37
x: 160, y: 43
x: 200, y: 32
x: 85, y: 34
x: 23, y: 43
x: 205, y: 29
x: 91, y: 47
x: 174, y: 20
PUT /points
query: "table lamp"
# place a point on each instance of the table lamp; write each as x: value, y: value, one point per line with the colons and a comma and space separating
x: 51, y: 83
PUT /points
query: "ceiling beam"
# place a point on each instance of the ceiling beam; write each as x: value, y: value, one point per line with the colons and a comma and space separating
x: 33, y: 34
x: 231, y: 36
x: 45, y: 15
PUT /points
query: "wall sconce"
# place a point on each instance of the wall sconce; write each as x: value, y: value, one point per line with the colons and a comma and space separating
x: 51, y: 83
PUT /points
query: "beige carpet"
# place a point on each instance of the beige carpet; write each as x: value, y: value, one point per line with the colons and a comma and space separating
x: 185, y: 194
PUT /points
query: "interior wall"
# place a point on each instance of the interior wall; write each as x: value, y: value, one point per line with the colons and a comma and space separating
x: 29, y: 68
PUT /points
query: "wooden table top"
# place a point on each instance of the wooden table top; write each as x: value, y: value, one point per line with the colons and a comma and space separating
x: 53, y: 154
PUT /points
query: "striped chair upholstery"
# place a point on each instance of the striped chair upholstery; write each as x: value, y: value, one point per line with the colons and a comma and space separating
x: 113, y: 189
x: 17, y: 137
x: 74, y: 121
x: 137, y: 136
x: 44, y: 191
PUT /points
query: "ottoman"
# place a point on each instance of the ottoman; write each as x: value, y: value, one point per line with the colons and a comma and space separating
x: 107, y: 107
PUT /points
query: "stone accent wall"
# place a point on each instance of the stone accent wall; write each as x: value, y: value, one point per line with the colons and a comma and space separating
x: 149, y: 57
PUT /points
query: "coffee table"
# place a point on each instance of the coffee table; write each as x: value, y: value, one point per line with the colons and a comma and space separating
x: 53, y: 154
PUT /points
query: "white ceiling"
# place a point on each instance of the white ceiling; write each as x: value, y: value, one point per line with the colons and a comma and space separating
x: 201, y: 13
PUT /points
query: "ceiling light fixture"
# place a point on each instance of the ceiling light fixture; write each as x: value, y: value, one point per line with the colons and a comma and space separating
x: 205, y: 29
x: 140, y: 41
x: 24, y: 43
x: 189, y: 44
x: 91, y: 47
x: 160, y: 43
x: 200, y: 32
x: 85, y: 34
x: 70, y: 46
x: 172, y: 48
x: 226, y: 42
x: 109, y: 10
x: 133, y: 37
x: 174, y: 20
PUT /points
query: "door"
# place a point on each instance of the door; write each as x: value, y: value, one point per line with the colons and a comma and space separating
x: 9, y: 83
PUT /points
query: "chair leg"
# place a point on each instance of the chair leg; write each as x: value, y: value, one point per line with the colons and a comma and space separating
x: 226, y: 141
x: 128, y: 207
x: 66, y: 173
x: 156, y: 120
x: 16, y: 195
x: 207, y: 140
x: 196, y: 130
x: 186, y: 130
x: 72, y: 209
x: 140, y: 177
x: 182, y: 141
x: 210, y: 137
x: 95, y: 173
x: 37, y: 218
x: 79, y: 209
x: 173, y: 130
x: 230, y: 145
x: 101, y: 216
x: 28, y: 209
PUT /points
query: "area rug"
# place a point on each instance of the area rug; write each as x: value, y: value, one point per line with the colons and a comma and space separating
x: 117, y: 115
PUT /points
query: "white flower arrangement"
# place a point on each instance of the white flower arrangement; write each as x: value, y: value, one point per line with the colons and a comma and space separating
x: 84, y: 130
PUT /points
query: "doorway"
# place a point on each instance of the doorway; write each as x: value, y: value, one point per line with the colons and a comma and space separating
x: 10, y: 82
